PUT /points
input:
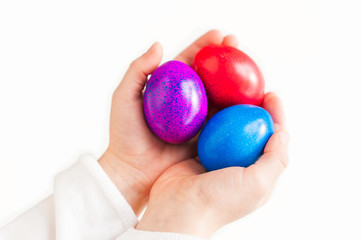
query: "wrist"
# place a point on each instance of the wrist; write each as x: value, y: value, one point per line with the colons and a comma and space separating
x: 131, y: 182
x: 178, y: 218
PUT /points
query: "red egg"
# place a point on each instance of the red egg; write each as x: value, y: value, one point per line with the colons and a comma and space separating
x: 230, y: 76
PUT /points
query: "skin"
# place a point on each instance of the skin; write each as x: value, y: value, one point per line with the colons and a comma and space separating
x: 135, y: 157
x: 186, y: 192
x: 170, y: 176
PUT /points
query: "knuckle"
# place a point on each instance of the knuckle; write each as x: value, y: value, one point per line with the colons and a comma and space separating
x: 137, y: 69
x: 283, y: 159
x: 134, y: 63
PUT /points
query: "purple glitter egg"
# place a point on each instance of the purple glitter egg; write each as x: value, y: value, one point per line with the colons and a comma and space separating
x: 175, y: 102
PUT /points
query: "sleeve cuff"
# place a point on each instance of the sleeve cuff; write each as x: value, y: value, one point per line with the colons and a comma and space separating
x: 88, y: 203
x: 111, y: 192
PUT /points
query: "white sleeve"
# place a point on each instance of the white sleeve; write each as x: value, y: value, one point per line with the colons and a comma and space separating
x: 85, y: 205
x: 133, y: 234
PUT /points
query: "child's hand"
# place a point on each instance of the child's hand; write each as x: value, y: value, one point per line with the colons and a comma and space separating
x: 186, y: 199
x: 136, y: 157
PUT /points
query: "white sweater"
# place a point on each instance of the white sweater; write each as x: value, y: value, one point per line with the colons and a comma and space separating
x: 85, y: 205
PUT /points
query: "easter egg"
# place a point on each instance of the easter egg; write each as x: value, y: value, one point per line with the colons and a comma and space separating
x: 229, y: 75
x: 235, y: 136
x: 175, y: 102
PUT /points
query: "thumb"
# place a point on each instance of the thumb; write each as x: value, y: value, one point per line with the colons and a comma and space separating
x: 136, y: 76
x: 275, y: 157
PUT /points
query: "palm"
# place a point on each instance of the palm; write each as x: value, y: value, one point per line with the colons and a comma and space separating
x: 231, y: 187
x: 191, y: 180
x: 242, y: 190
x: 141, y: 146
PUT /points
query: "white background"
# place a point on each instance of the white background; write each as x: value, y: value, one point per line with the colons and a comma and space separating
x: 60, y: 61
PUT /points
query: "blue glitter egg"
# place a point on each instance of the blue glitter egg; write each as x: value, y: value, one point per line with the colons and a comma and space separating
x: 235, y: 136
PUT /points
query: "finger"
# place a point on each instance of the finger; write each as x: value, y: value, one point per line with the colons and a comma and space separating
x: 273, y: 105
x: 136, y: 77
x: 186, y: 168
x: 230, y: 40
x: 211, y: 37
x: 275, y: 157
x: 191, y: 167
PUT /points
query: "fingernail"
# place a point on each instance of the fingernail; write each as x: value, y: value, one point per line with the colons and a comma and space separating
x: 284, y: 137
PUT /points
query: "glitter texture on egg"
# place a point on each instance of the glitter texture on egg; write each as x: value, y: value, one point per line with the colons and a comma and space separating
x: 175, y: 102
x: 230, y: 76
x: 235, y: 136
